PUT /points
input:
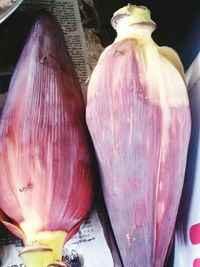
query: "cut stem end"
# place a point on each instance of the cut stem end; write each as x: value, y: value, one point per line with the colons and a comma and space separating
x: 44, y: 250
x: 37, y: 256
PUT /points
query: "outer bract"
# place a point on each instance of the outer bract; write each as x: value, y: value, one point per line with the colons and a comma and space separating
x: 139, y: 119
x: 45, y: 159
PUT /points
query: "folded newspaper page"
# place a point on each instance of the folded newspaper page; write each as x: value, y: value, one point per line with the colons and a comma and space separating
x: 90, y: 242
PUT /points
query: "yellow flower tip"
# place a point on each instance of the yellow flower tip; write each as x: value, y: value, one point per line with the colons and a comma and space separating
x: 132, y: 14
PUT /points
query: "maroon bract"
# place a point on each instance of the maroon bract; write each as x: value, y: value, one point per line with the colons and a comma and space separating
x: 139, y: 119
x: 45, y: 161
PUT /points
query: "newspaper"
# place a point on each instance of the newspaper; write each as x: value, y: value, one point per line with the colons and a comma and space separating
x: 90, y: 242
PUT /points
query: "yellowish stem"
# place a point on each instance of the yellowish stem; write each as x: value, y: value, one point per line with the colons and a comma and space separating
x: 37, y: 256
x: 44, y: 249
